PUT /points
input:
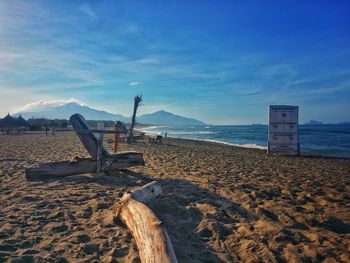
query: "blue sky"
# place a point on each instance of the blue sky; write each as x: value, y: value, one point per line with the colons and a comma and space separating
x: 222, y: 62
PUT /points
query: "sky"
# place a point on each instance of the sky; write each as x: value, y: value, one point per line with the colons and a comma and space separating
x: 222, y: 62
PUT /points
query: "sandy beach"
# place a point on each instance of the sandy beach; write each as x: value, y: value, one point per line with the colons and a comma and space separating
x: 220, y: 204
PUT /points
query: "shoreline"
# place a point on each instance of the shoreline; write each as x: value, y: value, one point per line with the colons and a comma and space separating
x: 263, y: 149
x: 248, y: 146
x: 320, y: 141
x: 309, y: 154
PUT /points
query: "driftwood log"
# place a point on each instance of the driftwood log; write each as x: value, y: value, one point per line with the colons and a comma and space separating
x: 151, y: 237
x: 83, y: 165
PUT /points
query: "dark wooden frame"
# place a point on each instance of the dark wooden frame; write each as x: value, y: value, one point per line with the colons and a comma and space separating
x: 107, y: 162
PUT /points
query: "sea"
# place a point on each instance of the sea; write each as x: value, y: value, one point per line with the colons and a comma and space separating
x: 330, y: 140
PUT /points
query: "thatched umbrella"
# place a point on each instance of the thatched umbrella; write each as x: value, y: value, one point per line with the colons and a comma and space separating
x: 21, y: 122
x: 7, y: 122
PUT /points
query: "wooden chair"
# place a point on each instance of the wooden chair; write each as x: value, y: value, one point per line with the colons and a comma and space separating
x: 101, y: 159
x: 155, y: 139
x: 159, y: 139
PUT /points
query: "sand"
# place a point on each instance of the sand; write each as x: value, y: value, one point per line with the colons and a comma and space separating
x: 220, y: 204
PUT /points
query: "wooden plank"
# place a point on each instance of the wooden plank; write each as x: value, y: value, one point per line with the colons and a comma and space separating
x: 116, y: 136
x: 88, y: 139
x: 100, y: 126
x: 84, y: 165
x: 61, y: 169
x: 151, y: 237
x: 147, y: 192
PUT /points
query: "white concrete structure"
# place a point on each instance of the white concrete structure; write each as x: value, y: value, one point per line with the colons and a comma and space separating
x: 283, y: 130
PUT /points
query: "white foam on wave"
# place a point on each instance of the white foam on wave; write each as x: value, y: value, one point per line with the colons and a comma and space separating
x: 175, y: 135
x: 190, y: 132
x: 154, y: 127
x: 244, y: 145
x: 157, y: 131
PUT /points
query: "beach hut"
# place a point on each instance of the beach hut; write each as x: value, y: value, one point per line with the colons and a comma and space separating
x: 7, y: 123
x: 21, y: 122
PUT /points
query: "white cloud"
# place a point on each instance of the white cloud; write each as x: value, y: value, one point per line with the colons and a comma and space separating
x: 130, y: 28
x: 135, y: 83
x: 44, y: 103
x: 85, y: 8
x: 48, y: 60
x: 8, y: 57
x: 284, y: 71
x: 9, y: 60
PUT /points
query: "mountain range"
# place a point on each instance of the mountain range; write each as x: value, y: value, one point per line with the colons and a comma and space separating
x: 167, y: 118
x: 64, y: 111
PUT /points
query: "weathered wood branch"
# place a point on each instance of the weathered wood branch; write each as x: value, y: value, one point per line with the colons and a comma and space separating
x: 84, y: 165
x: 137, y: 101
x: 151, y: 237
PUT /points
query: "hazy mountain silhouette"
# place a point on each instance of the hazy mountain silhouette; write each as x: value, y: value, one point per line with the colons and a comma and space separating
x: 167, y: 118
x: 66, y: 110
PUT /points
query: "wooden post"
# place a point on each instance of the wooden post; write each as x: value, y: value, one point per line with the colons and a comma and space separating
x: 99, y: 148
x: 137, y: 101
x: 116, y: 137
x: 151, y: 237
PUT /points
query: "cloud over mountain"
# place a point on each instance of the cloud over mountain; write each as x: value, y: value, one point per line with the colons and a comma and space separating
x: 42, y: 104
x: 63, y: 109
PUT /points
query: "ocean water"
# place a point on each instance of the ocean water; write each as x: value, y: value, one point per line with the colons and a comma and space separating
x: 324, y: 140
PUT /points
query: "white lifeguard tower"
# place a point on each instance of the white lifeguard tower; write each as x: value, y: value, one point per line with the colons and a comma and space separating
x: 283, y: 130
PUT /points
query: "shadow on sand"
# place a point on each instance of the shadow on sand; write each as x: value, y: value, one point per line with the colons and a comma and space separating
x: 193, y: 216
